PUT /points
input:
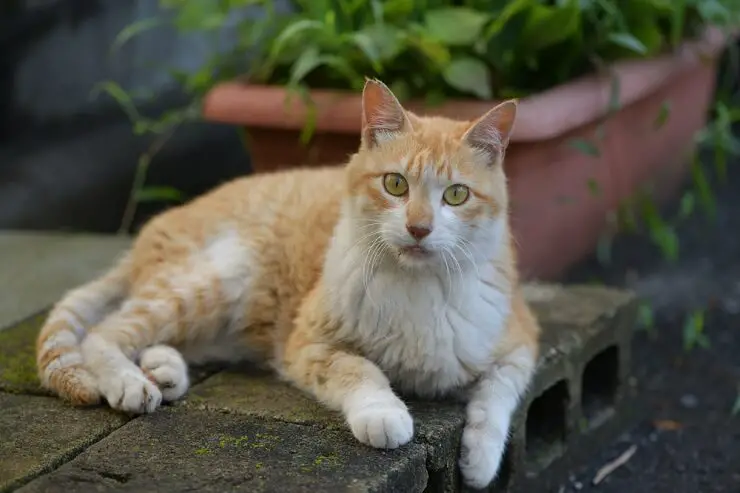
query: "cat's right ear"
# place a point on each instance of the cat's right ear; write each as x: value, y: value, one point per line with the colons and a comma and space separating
x: 383, y: 117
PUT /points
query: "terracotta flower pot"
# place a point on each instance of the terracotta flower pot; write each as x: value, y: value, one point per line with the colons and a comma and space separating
x: 560, y: 194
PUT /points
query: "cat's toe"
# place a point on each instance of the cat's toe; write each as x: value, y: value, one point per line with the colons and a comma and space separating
x: 481, y: 456
x: 165, y: 367
x: 382, y: 424
x: 130, y: 391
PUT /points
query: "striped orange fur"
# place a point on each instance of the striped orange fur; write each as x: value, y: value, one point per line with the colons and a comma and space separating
x: 342, y: 285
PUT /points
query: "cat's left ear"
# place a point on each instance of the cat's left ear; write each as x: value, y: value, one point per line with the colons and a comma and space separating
x: 383, y: 117
x: 490, y: 133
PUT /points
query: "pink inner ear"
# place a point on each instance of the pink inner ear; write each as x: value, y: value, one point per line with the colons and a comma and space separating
x: 491, y: 132
x: 382, y: 114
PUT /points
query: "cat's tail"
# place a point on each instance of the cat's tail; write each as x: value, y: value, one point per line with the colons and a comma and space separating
x: 58, y: 353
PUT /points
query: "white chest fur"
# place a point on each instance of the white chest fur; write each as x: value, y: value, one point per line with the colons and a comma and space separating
x: 430, y: 332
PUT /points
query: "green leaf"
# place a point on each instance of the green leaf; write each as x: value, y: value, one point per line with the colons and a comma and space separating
x: 311, y: 59
x: 114, y: 90
x: 512, y: 8
x: 548, y: 25
x: 667, y: 240
x: 200, y: 15
x: 687, y: 205
x: 382, y: 40
x: 702, y: 187
x: 693, y: 331
x: 645, y: 317
x: 663, y: 114
x: 736, y: 406
x: 626, y: 40
x: 292, y: 31
x: 585, y: 147
x: 455, y: 26
x: 134, y: 29
x: 469, y: 75
x: 150, y: 194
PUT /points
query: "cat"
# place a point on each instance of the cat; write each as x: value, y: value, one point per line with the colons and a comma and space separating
x: 395, y: 272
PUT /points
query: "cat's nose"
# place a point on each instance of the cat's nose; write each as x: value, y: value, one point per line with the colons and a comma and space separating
x: 418, y: 232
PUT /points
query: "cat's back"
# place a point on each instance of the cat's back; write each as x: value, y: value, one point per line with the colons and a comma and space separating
x: 284, y: 218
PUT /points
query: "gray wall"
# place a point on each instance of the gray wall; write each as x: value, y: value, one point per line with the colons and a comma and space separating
x: 56, y: 76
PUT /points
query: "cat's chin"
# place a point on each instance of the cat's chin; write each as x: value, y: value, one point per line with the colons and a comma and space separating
x: 415, y: 256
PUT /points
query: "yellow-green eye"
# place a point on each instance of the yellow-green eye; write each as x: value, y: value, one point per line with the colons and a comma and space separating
x: 456, y: 194
x: 395, y: 184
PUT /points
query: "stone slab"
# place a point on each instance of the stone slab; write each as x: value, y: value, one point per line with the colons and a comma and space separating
x: 37, y: 434
x: 178, y: 450
x: 37, y: 268
x: 572, y: 318
x: 18, y: 357
x: 257, y: 393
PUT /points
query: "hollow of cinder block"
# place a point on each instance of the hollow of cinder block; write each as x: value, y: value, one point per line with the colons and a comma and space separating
x: 577, y: 396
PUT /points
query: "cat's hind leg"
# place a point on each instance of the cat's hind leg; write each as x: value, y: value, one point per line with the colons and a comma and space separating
x: 182, y: 306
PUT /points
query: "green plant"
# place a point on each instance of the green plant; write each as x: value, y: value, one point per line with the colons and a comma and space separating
x: 431, y: 49
x: 434, y: 48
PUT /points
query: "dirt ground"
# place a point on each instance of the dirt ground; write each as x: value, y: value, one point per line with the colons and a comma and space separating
x: 686, y: 438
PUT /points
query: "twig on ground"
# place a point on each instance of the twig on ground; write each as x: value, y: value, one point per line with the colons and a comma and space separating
x: 614, y: 465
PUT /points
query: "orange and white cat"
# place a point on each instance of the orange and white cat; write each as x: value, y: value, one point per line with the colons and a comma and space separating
x: 395, y: 270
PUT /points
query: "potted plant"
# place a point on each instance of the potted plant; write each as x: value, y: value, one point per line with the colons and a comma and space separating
x: 612, y: 92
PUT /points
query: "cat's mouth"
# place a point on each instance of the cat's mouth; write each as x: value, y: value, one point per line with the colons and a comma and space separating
x: 415, y: 251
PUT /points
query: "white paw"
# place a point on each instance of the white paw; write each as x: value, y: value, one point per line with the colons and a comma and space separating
x: 128, y: 390
x: 480, y: 459
x: 165, y: 367
x: 381, y: 421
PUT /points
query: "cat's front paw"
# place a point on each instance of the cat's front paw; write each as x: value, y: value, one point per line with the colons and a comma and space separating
x: 129, y: 390
x: 164, y: 366
x: 480, y: 459
x: 381, y: 421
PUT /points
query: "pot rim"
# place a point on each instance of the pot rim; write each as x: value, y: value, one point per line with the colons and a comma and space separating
x: 541, y: 116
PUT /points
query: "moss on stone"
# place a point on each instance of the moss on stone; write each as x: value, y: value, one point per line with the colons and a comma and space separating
x: 18, y: 356
x: 261, y: 394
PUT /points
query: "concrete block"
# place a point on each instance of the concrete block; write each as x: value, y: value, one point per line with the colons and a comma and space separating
x: 187, y: 450
x: 39, y: 434
x: 578, y: 389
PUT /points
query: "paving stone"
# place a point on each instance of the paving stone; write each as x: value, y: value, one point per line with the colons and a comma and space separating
x: 18, y: 373
x: 37, y: 268
x: 259, y: 394
x: 189, y: 450
x: 41, y: 433
x: 576, y: 401
x: 579, y: 324
x: 18, y: 357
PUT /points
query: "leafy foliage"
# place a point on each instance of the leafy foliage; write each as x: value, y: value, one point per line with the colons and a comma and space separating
x: 433, y: 48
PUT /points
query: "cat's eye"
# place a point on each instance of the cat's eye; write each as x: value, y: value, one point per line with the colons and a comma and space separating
x: 395, y: 184
x: 456, y: 194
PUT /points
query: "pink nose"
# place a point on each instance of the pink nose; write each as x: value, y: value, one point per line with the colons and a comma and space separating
x: 418, y: 232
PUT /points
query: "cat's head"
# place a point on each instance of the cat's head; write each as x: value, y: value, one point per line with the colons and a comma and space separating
x: 430, y: 190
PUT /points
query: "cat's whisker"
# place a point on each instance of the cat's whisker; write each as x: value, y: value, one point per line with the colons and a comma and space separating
x: 448, y: 282
x: 469, y: 255
x: 458, y: 271
x: 373, y: 253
